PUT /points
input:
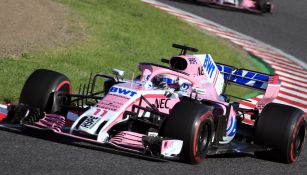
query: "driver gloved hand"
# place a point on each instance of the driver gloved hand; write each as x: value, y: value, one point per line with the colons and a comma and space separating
x: 163, y: 85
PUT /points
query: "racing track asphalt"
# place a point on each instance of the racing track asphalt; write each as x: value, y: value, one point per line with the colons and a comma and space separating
x: 31, y: 154
x: 284, y: 29
x: 24, y: 154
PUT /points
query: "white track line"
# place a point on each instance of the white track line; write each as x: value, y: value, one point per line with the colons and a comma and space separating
x: 280, y: 66
x: 285, y: 89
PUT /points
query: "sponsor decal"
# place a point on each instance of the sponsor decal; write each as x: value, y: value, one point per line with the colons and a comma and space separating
x: 90, y: 122
x: 171, y: 148
x: 123, y: 91
x: 245, y: 77
x: 209, y: 66
x: 162, y: 103
x: 100, y: 112
x: 200, y: 71
x: 184, y: 87
x: 153, y: 134
x: 112, y: 102
x: 192, y: 60
x: 109, y: 105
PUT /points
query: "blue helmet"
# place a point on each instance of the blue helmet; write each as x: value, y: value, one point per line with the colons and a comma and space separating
x: 168, y: 79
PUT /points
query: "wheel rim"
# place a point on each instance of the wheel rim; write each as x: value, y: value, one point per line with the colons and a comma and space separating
x: 65, y: 87
x: 203, y: 139
x: 298, y: 142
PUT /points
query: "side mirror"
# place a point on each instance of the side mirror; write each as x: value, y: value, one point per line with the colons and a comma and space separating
x: 118, y: 72
x: 198, y: 90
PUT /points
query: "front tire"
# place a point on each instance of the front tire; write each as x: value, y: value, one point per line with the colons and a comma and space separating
x: 264, y: 6
x: 193, y: 124
x: 38, y: 91
x: 283, y: 129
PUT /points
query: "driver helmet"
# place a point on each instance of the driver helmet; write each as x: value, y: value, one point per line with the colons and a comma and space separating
x: 170, y: 80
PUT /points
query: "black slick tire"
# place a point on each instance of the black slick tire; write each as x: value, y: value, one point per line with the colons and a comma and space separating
x: 264, y: 6
x: 39, y: 88
x: 193, y: 124
x: 283, y: 129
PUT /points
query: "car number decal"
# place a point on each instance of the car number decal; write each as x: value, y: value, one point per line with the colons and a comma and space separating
x: 90, y: 122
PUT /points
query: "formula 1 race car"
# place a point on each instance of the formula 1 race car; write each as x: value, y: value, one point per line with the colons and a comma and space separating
x: 179, y: 111
x: 256, y: 6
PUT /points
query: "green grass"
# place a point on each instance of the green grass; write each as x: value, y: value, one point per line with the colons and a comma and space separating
x: 119, y: 33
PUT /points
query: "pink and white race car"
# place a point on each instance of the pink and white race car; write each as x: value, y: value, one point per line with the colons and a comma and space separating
x: 256, y: 6
x: 179, y: 111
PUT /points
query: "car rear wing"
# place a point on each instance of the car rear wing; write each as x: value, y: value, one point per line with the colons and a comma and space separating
x: 247, y: 78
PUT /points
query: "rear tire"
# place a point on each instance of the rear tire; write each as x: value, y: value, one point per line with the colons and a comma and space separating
x: 38, y: 91
x: 282, y: 128
x: 264, y: 6
x: 193, y: 124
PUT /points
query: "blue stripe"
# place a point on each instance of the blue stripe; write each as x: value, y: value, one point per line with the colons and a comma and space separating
x: 167, y: 80
x: 244, y: 77
x: 232, y: 127
x: 233, y: 132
